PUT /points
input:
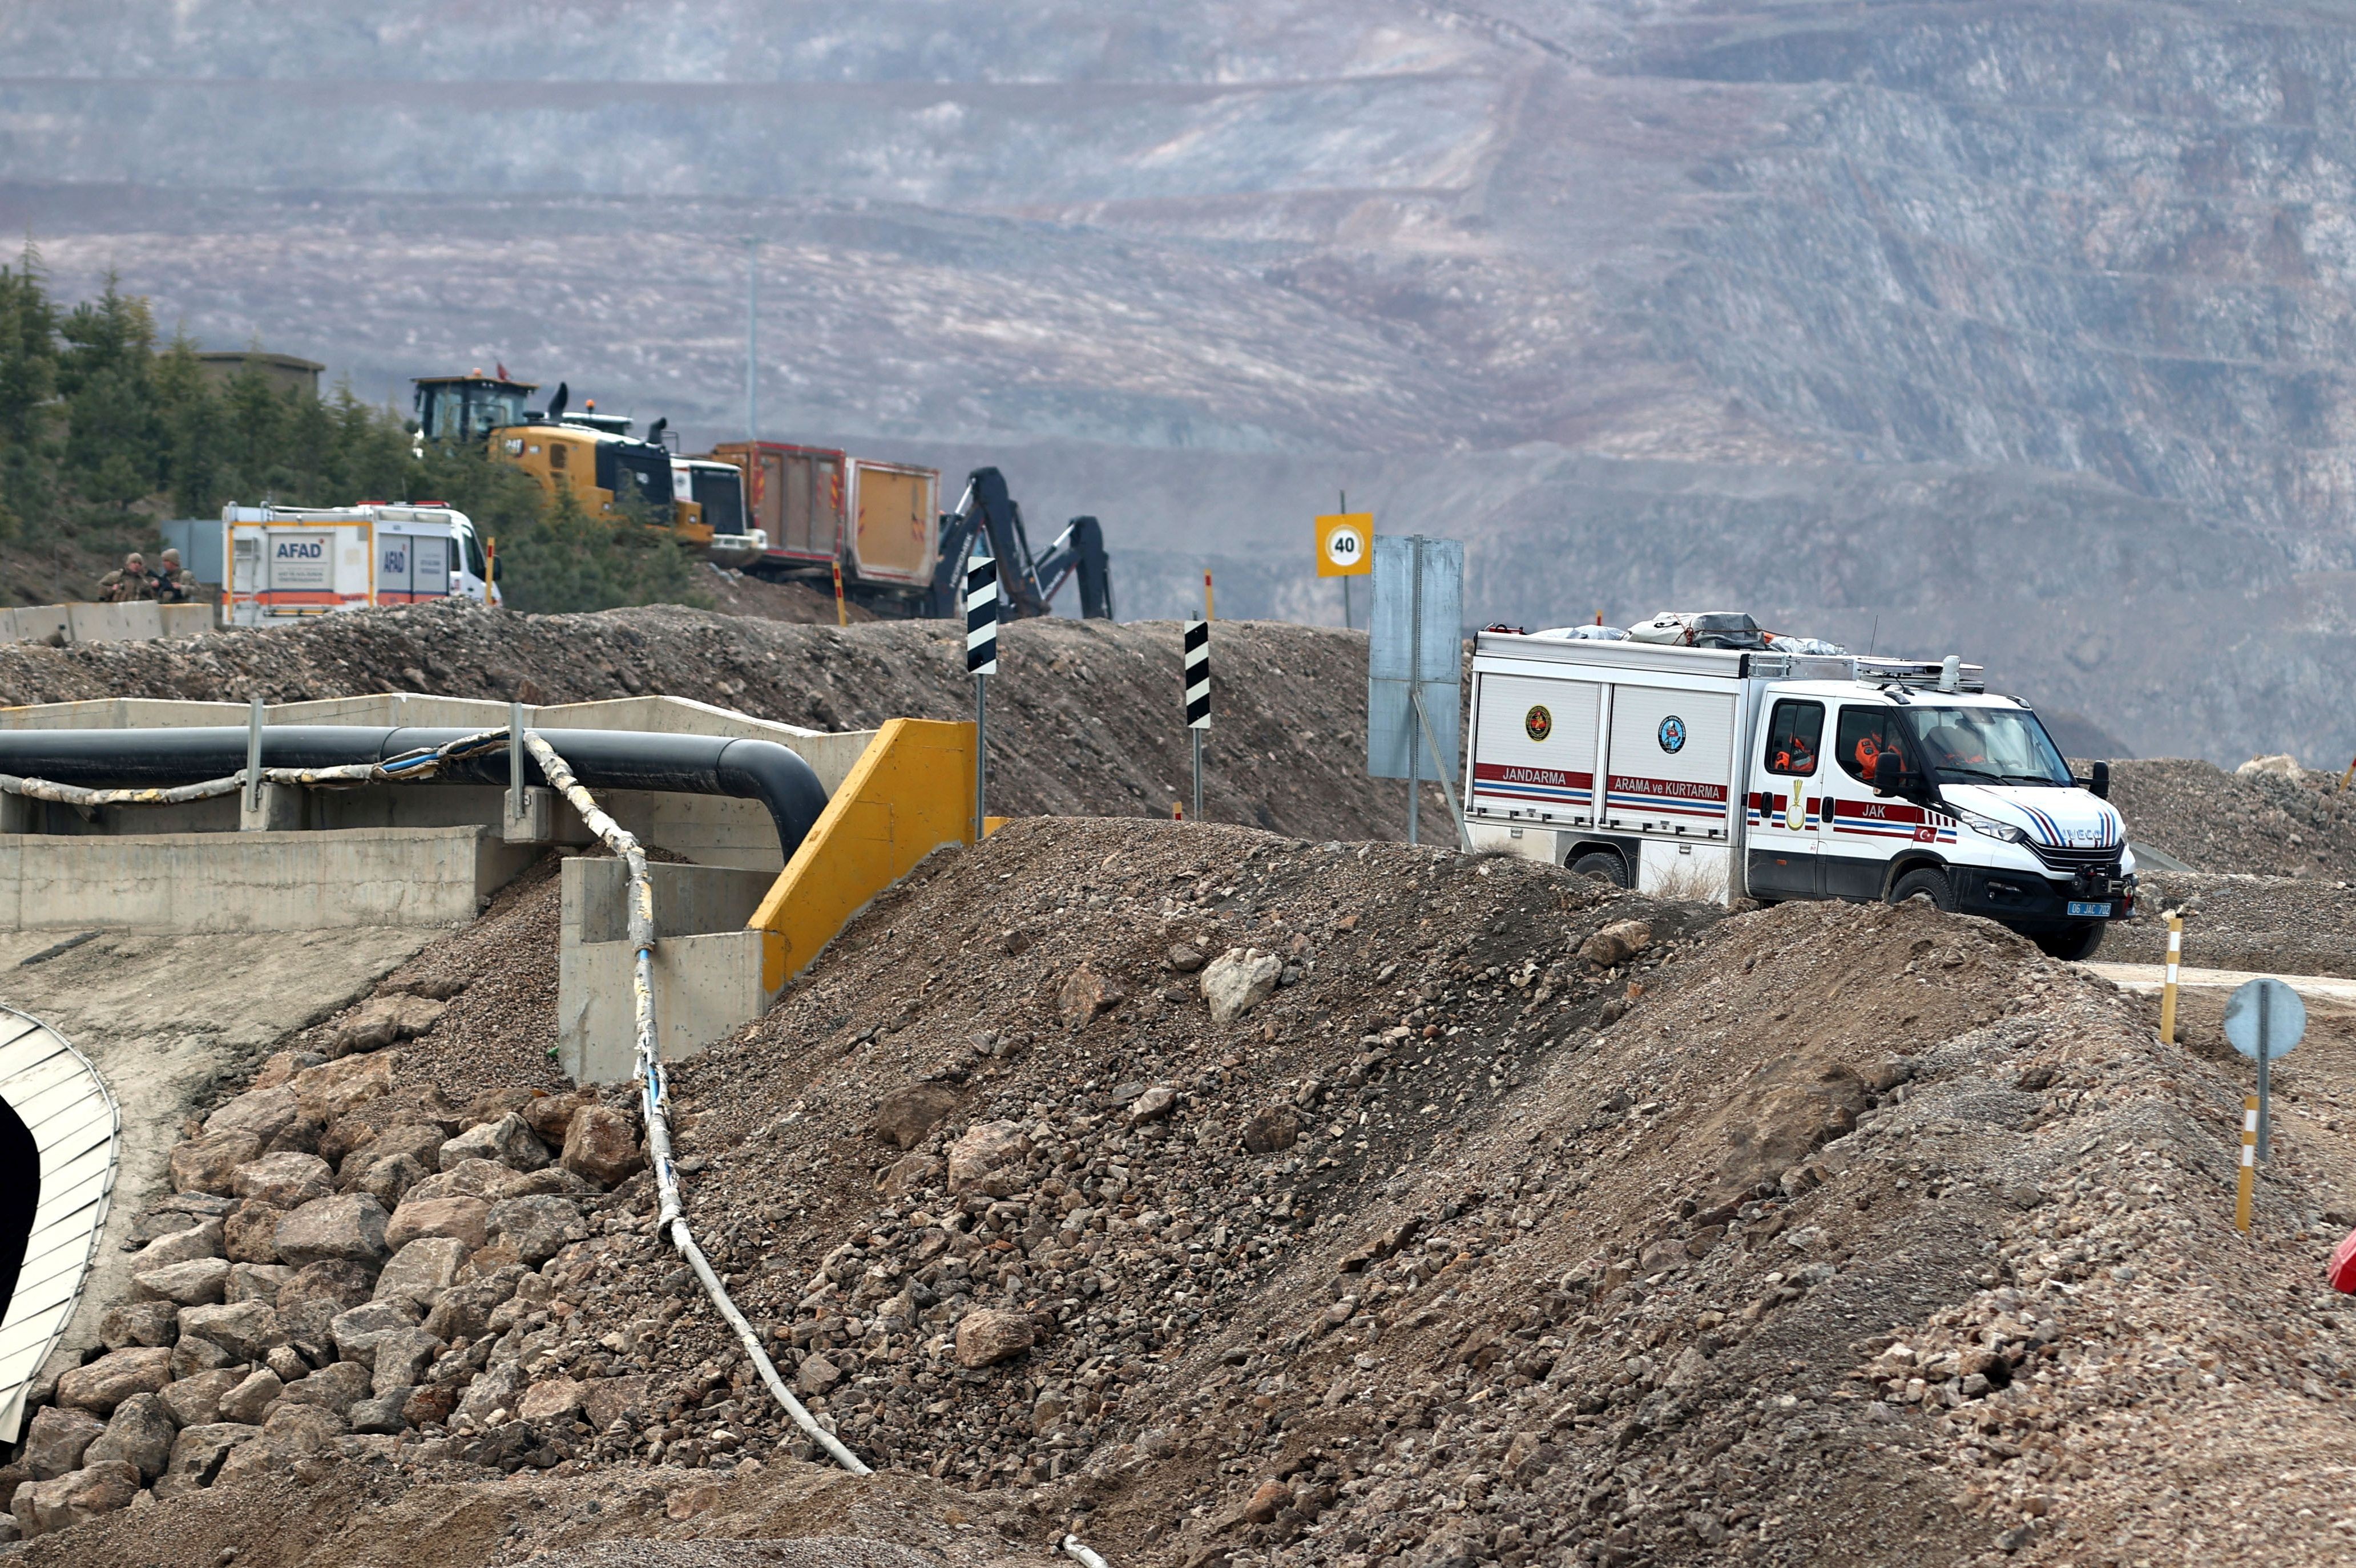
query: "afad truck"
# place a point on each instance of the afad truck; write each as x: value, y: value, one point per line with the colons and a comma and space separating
x: 286, y: 563
x: 1724, y: 773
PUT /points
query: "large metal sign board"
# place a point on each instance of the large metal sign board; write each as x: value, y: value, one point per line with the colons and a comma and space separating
x: 1418, y: 646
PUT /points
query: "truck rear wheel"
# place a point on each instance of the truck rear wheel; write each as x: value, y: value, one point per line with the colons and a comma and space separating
x: 2073, y: 942
x: 1927, y: 882
x: 1602, y: 865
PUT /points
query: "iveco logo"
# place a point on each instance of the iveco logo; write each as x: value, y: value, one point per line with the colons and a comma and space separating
x: 1673, y: 733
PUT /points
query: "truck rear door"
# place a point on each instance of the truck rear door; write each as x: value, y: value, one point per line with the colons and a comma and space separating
x: 1670, y: 769
x: 1534, y: 749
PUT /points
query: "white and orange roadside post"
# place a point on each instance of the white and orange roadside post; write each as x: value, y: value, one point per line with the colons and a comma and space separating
x: 2168, y: 985
x: 2249, y: 1163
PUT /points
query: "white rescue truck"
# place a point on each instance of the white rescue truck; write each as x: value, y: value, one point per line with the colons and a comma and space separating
x: 289, y: 561
x: 1719, y: 772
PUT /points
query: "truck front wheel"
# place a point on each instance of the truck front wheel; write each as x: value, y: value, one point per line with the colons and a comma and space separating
x: 2073, y: 942
x: 1604, y: 866
x: 1928, y: 881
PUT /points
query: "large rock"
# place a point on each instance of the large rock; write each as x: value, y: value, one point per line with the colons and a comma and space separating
x: 331, y: 1090
x: 402, y: 1359
x: 391, y: 1178
x: 249, y: 1400
x: 1086, y: 992
x: 116, y: 1376
x: 484, y: 1179
x: 356, y: 1333
x: 335, y: 1284
x: 381, y: 1020
x: 55, y: 1439
x: 420, y: 1141
x: 197, y: 1455
x: 348, y: 1227
x: 210, y: 1164
x: 381, y: 1414
x: 201, y: 1240
x: 292, y: 1432
x: 247, y: 1330
x: 420, y: 1272
x: 988, y: 1158
x: 196, y: 1402
x: 249, y: 1235
x: 264, y: 1112
x: 75, y: 1497
x: 257, y: 1281
x: 1616, y: 944
x: 337, y: 1388
x: 191, y: 1357
x: 550, y: 1400
x: 991, y: 1336
x: 535, y: 1228
x: 602, y: 1146
x: 461, y: 1219
x: 550, y: 1116
x: 284, y: 1180
x: 139, y: 1323
x: 191, y: 1284
x: 1239, y: 980
x: 1273, y: 1131
x: 508, y: 1141
x: 494, y: 1390
x: 139, y: 1434
x: 905, y: 1116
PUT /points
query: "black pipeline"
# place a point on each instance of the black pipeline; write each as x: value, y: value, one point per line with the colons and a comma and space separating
x: 601, y: 759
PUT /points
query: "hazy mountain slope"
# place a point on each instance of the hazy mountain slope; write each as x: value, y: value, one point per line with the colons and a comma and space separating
x: 2021, y: 325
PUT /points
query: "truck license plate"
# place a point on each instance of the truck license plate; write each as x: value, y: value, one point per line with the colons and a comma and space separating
x: 2095, y: 910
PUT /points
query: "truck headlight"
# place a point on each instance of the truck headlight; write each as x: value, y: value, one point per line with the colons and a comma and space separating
x: 1989, y: 827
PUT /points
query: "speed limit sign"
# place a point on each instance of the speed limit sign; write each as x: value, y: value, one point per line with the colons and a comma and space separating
x: 1345, y: 544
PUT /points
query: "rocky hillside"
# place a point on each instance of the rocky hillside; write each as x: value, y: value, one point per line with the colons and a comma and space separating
x: 1226, y: 1198
x: 2019, y: 329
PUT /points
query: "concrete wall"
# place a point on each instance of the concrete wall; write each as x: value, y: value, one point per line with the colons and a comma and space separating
x: 253, y: 881
x: 706, y: 967
x: 139, y: 621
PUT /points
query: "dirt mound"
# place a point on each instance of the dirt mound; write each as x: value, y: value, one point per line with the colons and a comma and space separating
x: 2259, y: 824
x: 1086, y: 715
x: 2284, y: 925
x: 1230, y: 1198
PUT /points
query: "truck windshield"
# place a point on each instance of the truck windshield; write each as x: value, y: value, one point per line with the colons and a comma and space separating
x: 1984, y: 745
x: 721, y: 492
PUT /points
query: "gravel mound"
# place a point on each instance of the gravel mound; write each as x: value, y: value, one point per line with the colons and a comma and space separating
x: 1240, y: 1199
x: 815, y: 1552
x: 1086, y: 716
x: 2285, y: 925
x: 2259, y: 824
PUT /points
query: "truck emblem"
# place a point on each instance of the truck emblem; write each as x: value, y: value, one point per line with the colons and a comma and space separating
x: 1673, y: 735
x: 1537, y: 724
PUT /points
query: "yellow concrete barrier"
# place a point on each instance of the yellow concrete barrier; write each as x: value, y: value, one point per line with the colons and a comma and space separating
x: 908, y: 794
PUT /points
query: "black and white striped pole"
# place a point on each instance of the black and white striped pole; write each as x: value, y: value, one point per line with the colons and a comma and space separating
x: 981, y: 663
x: 1198, y: 698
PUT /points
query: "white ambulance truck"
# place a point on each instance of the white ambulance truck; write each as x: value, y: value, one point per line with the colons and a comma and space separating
x: 1705, y: 772
x: 286, y: 563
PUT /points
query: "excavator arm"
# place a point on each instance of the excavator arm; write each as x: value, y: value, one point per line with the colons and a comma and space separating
x: 1029, y: 584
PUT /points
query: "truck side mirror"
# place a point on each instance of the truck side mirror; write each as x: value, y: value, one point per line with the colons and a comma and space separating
x: 2099, y: 786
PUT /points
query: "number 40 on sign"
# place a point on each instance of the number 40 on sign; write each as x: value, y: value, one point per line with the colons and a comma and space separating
x: 1345, y: 544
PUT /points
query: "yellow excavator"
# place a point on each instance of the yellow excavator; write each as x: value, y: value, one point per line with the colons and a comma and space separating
x: 592, y: 456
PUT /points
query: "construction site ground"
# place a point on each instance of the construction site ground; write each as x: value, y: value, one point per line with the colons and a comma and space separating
x: 1519, y: 1220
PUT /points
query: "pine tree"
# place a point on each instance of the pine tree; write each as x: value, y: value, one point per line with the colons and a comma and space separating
x: 29, y: 383
x: 114, y: 452
x: 197, y: 429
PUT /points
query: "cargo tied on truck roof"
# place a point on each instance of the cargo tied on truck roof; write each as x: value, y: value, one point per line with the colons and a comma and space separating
x: 1705, y: 762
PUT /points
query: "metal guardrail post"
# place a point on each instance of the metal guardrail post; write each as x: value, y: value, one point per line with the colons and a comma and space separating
x: 253, y: 723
